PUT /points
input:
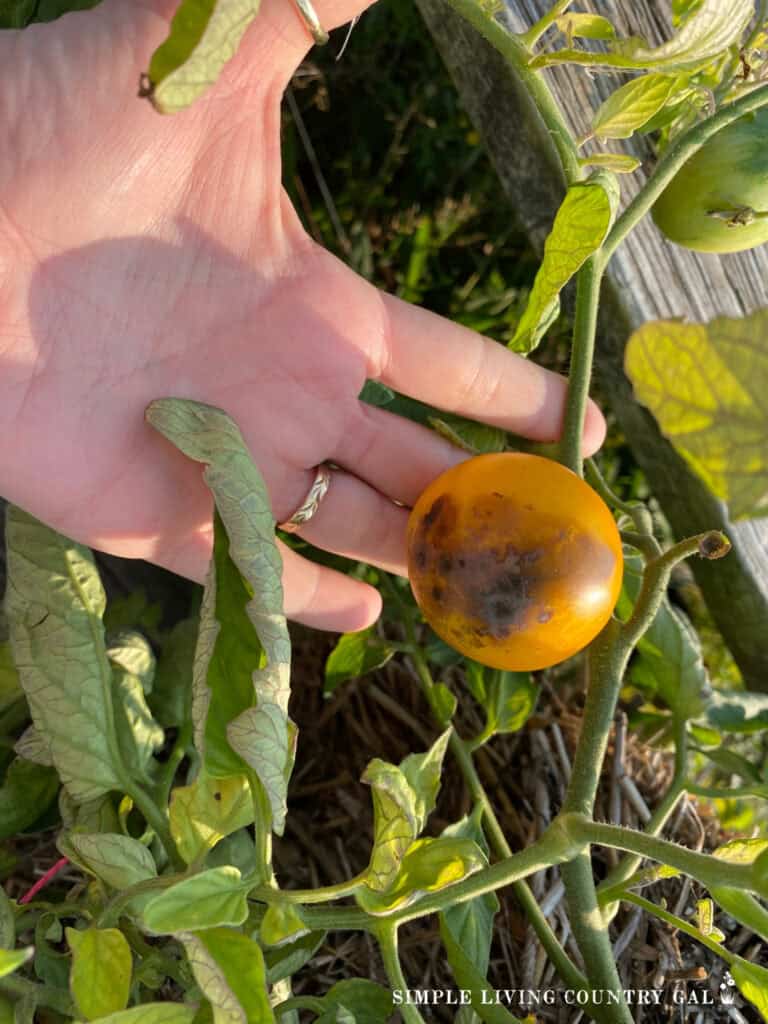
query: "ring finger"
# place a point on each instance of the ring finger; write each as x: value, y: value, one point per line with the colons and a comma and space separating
x: 355, y: 521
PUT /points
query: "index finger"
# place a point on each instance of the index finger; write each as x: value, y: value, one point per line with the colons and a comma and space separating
x: 453, y: 368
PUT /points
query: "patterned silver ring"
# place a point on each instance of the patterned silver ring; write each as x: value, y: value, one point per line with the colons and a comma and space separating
x: 311, y: 503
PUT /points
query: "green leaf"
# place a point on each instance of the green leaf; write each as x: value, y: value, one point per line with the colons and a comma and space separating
x: 229, y: 968
x: 509, y: 701
x: 7, y: 922
x: 473, y: 981
x: 212, y: 898
x: 428, y: 865
x: 284, y: 961
x: 668, y: 662
x: 102, y: 965
x: 33, y: 746
x: 367, y: 1002
x: 153, y: 1013
x: 585, y: 26
x: 171, y: 697
x: 706, y: 35
x: 738, y: 711
x: 581, y: 224
x: 282, y: 923
x: 403, y: 798
x: 55, y: 603
x: 49, y: 10
x: 12, y: 959
x: 634, y: 104
x: 619, y: 163
x: 133, y: 653
x: 469, y: 925
x: 243, y: 652
x: 747, y: 910
x: 204, y: 35
x: 355, y: 655
x: 138, y: 734
x: 753, y: 983
x: 706, y: 386
x: 10, y: 686
x: 26, y: 793
x: 117, y: 860
x: 16, y: 13
x: 472, y: 437
x: 206, y: 811
x: 375, y: 393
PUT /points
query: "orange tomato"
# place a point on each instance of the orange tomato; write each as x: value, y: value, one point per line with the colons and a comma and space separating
x: 514, y: 560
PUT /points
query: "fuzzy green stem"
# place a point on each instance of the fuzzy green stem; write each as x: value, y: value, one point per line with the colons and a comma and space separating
x: 306, y: 897
x: 564, y: 966
x: 532, y: 36
x: 387, y: 936
x: 517, y: 55
x: 629, y: 865
x: 158, y: 822
x: 678, y: 923
x: 591, y: 932
x: 678, y: 154
x: 702, y: 867
x: 582, y: 355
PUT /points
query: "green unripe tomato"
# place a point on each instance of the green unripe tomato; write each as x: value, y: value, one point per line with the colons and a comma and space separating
x: 718, y: 200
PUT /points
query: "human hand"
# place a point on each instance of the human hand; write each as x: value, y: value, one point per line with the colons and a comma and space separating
x: 144, y: 256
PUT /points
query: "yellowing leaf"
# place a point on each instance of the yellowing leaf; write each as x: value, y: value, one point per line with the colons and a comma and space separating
x: 706, y: 384
x: 753, y: 983
x: 619, y: 163
x: 580, y: 226
x: 428, y: 866
x: 633, y: 105
x: 229, y: 968
x: 100, y: 978
x: 204, y: 35
x: 282, y: 923
x: 585, y: 26
x: 209, y: 809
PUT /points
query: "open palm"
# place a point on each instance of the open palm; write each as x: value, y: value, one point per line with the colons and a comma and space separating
x: 144, y: 256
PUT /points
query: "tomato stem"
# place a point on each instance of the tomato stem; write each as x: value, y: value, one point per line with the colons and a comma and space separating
x: 532, y: 36
x: 582, y: 354
x: 514, y: 50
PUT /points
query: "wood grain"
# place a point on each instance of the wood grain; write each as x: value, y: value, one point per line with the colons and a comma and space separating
x: 647, y: 279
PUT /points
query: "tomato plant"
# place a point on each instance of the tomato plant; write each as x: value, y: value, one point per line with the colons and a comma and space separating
x: 514, y: 560
x: 718, y: 200
x: 171, y: 760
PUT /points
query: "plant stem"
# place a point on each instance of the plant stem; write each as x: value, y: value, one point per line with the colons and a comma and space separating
x: 680, y: 925
x: 532, y: 36
x: 176, y: 756
x: 582, y: 353
x: 591, y: 931
x: 700, y: 866
x: 515, y: 52
x: 678, y: 154
x: 158, y: 822
x: 567, y: 970
x: 628, y: 865
x: 387, y: 936
x: 325, y: 894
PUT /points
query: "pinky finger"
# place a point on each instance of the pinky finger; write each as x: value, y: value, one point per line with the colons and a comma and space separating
x: 326, y: 599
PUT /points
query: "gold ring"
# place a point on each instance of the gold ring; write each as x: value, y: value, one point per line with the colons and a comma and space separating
x: 311, y: 503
